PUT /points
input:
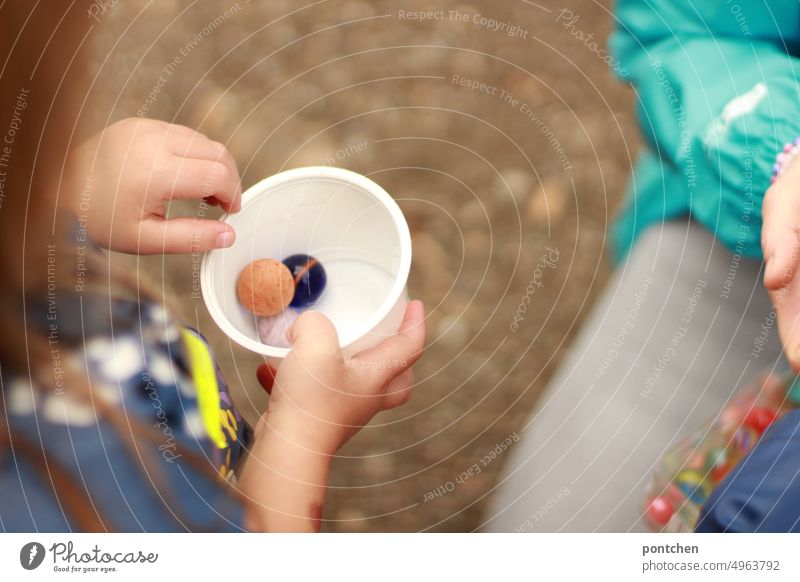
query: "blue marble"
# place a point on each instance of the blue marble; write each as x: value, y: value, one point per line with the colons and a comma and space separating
x: 309, y: 280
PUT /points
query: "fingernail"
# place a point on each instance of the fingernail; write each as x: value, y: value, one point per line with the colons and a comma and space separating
x: 225, y: 239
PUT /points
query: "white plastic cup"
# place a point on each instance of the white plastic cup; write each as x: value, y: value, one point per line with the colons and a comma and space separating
x: 346, y: 221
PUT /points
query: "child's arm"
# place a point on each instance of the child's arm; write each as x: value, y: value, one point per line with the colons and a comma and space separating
x: 319, y: 400
x: 119, y: 182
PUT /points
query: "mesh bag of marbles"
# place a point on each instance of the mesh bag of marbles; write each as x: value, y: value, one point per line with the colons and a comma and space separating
x: 686, y: 476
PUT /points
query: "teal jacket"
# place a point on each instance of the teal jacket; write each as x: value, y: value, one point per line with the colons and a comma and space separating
x: 717, y: 89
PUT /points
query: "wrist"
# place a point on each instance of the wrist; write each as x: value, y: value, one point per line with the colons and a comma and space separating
x: 300, y: 431
x: 284, y: 478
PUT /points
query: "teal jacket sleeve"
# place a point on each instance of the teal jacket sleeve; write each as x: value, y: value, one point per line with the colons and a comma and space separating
x: 717, y: 90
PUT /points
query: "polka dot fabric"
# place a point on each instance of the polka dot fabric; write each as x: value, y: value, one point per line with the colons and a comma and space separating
x: 172, y: 480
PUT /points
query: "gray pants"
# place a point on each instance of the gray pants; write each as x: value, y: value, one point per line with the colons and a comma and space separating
x: 682, y: 324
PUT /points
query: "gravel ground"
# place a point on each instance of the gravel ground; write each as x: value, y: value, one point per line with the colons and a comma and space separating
x: 492, y: 178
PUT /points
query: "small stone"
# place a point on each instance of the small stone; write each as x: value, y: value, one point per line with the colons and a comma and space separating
x: 547, y: 204
x: 314, y: 154
x: 265, y: 287
x: 214, y: 111
x: 476, y: 245
x: 355, y: 10
x: 469, y: 63
x: 432, y: 263
x: 350, y: 519
x: 453, y: 330
x: 513, y: 184
x: 473, y: 213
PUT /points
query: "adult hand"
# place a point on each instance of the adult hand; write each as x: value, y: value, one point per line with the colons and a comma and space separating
x: 780, y: 241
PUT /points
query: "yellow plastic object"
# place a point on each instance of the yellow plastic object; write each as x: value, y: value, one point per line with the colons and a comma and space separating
x: 204, y: 374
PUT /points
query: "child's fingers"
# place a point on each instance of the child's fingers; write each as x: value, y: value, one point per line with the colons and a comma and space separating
x: 398, y: 391
x: 179, y: 129
x: 204, y: 178
x: 402, y: 350
x: 313, y: 336
x: 199, y: 147
x: 195, y: 146
x: 183, y: 235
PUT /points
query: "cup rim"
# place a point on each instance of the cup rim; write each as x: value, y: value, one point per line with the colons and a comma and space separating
x: 306, y: 174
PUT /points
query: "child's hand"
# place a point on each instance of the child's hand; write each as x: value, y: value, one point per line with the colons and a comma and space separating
x: 122, y: 178
x: 780, y: 241
x: 320, y: 399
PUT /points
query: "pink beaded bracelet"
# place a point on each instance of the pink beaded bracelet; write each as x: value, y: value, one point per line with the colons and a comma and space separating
x: 784, y: 158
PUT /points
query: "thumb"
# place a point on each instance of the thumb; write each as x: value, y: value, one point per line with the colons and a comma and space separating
x: 786, y: 302
x: 781, y: 248
x: 184, y: 235
x: 314, y: 335
x: 779, y: 235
